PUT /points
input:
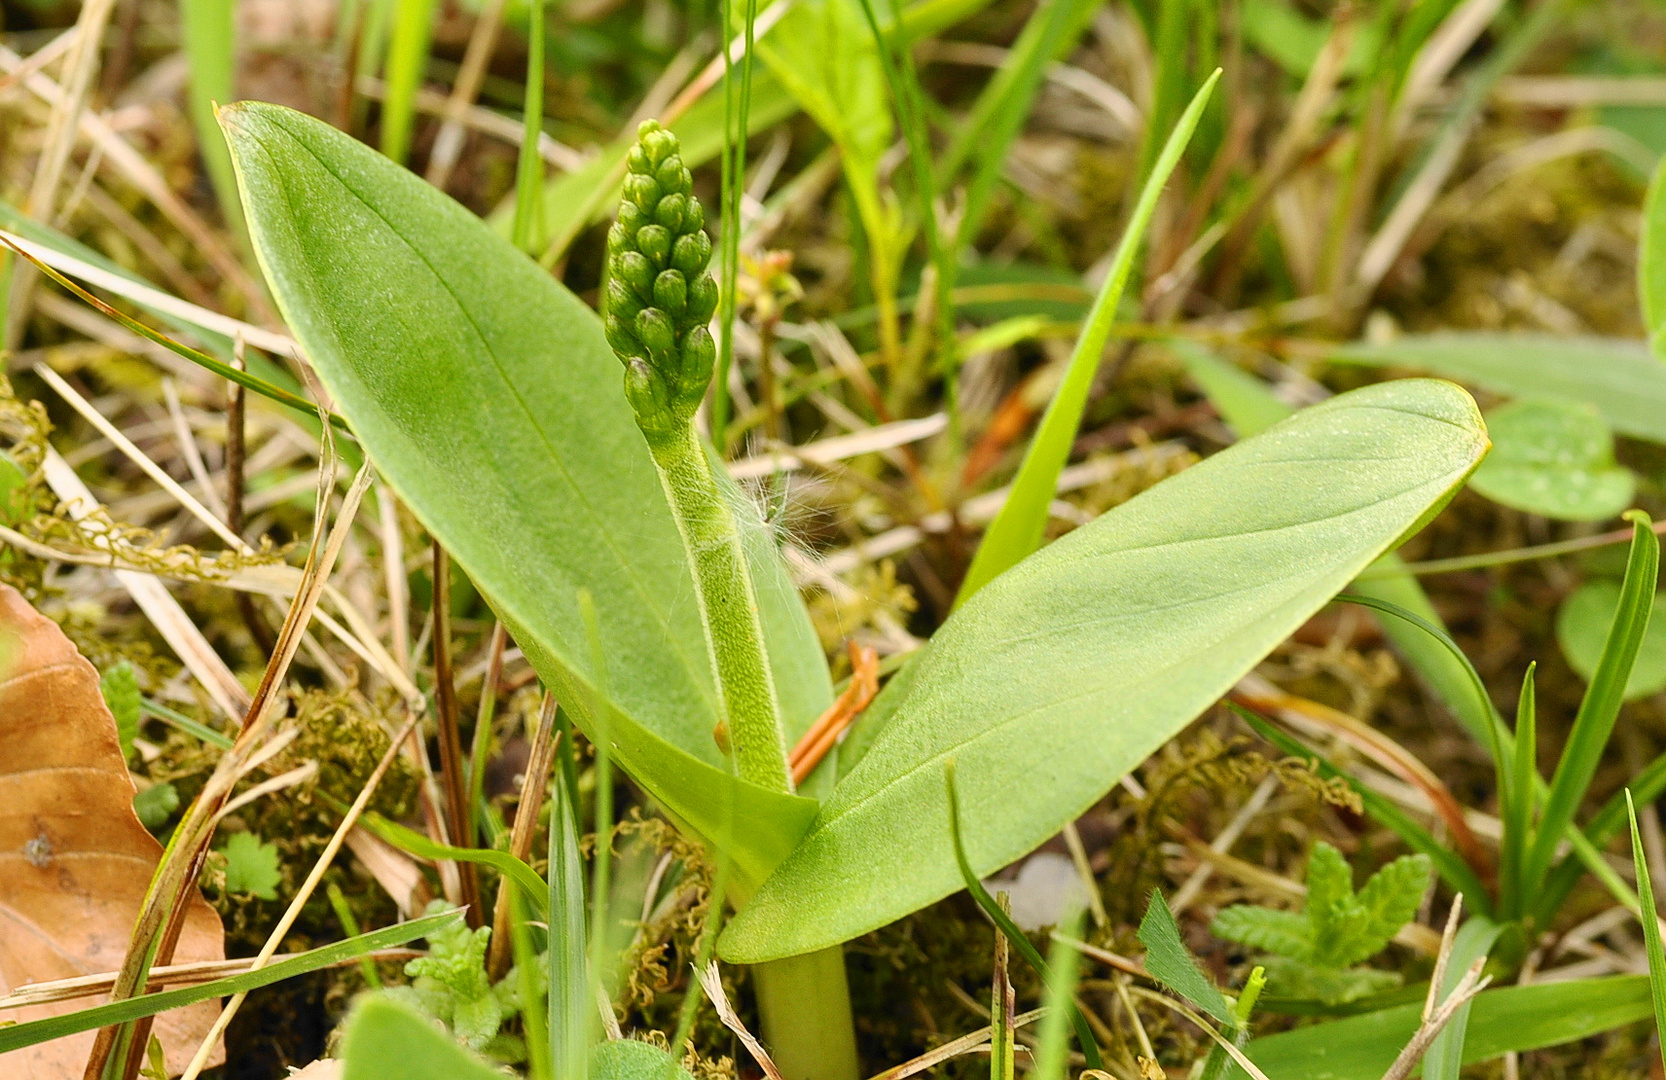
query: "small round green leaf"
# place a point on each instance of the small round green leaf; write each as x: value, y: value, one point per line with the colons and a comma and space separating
x: 1555, y: 458
x: 1582, y: 627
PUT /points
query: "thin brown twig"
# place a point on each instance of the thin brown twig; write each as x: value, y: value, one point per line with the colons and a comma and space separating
x: 539, y: 761
x: 451, y: 745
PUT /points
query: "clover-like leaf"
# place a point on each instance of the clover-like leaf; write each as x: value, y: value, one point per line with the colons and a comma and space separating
x: 1553, y: 457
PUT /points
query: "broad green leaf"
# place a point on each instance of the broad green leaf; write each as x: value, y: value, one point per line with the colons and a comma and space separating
x: 1065, y: 673
x: 1512, y: 1018
x: 1650, y: 918
x: 487, y: 396
x: 1582, y: 626
x: 1651, y: 262
x: 1248, y: 406
x: 629, y: 1059
x: 15, y: 1036
x: 1555, y: 458
x: 826, y: 57
x: 389, y: 1041
x: 1017, y: 530
x: 1619, y: 377
x: 1170, y: 964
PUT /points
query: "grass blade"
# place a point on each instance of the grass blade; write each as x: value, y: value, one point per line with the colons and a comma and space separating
x: 1651, y: 927
x: 569, y: 1003
x: 529, y: 167
x: 1601, y: 705
x: 208, y: 29
x: 16, y: 1036
x: 413, y: 28
x: 399, y: 836
x: 1017, y: 531
x: 1170, y: 964
x: 1003, y: 922
x: 1452, y: 869
x: 1651, y: 262
x: 1052, y: 1058
x: 1518, y: 815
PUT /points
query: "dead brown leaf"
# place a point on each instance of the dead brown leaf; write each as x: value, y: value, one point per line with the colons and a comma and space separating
x: 74, y: 860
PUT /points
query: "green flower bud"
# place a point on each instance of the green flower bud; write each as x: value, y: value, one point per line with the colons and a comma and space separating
x: 671, y: 211
x: 702, y: 300
x: 672, y: 177
x: 622, y: 301
x: 634, y: 269
x: 692, y: 254
x: 659, y: 294
x: 671, y: 293
x: 653, y: 329
x: 654, y: 241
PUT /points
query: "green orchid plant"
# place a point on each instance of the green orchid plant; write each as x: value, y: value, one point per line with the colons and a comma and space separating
x: 492, y: 401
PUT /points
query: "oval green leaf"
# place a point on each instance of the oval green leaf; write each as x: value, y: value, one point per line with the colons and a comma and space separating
x: 388, y: 1041
x: 486, y: 394
x: 1555, y: 458
x: 1619, y: 377
x: 1068, y: 670
x: 1582, y: 627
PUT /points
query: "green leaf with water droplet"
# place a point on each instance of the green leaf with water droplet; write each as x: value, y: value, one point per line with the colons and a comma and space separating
x: 1556, y: 458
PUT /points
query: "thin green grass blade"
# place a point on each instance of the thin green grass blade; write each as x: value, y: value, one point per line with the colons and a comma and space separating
x: 1015, y: 937
x: 16, y: 1036
x: 1017, y: 530
x: 534, y: 1016
x: 529, y: 167
x: 1452, y: 869
x: 185, y: 724
x: 1052, y: 1051
x: 413, y: 29
x: 1650, y: 919
x: 208, y: 30
x: 524, y: 877
x: 201, y: 359
x: 1523, y: 781
x: 1445, y: 1055
x: 601, y: 866
x: 1601, y: 705
x: 569, y: 1003
x: 1651, y: 262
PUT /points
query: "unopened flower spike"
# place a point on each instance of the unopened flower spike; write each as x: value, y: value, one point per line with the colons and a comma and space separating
x: 660, y: 294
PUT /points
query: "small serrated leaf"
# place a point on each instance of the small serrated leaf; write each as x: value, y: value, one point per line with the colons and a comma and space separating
x: 155, y: 805
x: 120, y: 687
x: 1330, y: 880
x: 1170, y: 964
x: 251, y: 866
x: 1390, y: 900
x: 1281, y: 932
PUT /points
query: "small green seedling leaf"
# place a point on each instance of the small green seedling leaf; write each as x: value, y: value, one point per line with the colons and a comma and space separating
x: 630, y: 1059
x: 1582, y: 626
x: 155, y: 805
x: 14, y: 487
x: 251, y: 866
x: 120, y: 687
x: 1554, y: 458
x: 1650, y: 919
x: 1315, y: 952
x: 386, y: 1040
x: 450, y: 984
x: 1170, y: 964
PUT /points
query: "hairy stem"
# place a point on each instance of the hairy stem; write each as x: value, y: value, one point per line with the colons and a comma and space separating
x: 728, y: 608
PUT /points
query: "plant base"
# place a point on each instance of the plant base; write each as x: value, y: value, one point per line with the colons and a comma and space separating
x: 805, y: 1005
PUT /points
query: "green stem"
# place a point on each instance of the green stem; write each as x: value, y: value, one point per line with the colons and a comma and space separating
x: 804, y: 1002
x: 728, y: 608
